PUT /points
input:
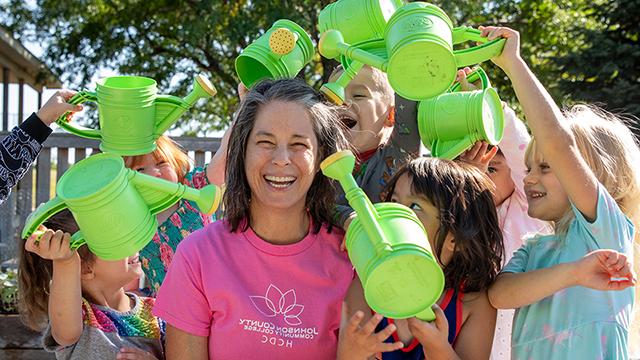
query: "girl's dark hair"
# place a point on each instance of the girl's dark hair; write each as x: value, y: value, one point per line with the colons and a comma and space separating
x: 463, y: 196
x: 35, y: 273
x: 328, y: 129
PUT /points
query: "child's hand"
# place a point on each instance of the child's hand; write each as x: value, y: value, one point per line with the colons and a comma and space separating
x: 511, y: 52
x: 465, y: 85
x: 479, y: 156
x: 361, y: 342
x: 131, y: 353
x: 57, y: 105
x: 432, y: 335
x: 51, y: 246
x: 596, y: 269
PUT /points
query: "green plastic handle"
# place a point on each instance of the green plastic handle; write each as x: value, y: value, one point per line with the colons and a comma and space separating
x: 77, y: 240
x: 426, y: 315
x: 476, y: 54
x: 475, y: 75
x: 41, y: 214
x: 450, y: 149
x: 79, y: 98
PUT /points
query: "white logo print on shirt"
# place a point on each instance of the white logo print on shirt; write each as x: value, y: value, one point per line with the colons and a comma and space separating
x: 276, y: 302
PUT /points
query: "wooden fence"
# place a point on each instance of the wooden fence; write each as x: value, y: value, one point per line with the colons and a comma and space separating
x: 59, y: 152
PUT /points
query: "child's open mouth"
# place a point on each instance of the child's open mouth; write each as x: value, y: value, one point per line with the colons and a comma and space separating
x: 533, y: 195
x: 280, y: 182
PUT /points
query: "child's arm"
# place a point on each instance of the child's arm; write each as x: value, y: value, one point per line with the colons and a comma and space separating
x: 595, y: 270
x: 545, y: 120
x: 19, y: 149
x: 216, y: 168
x: 65, y: 294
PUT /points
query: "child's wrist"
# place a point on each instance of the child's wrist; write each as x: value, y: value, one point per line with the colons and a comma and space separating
x: 70, y: 261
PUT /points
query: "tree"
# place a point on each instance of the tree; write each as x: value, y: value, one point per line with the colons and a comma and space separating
x: 581, y: 50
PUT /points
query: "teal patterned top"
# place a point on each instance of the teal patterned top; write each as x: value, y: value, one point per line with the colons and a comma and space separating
x: 157, y: 255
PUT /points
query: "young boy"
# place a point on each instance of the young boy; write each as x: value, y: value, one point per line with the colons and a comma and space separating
x: 383, y: 130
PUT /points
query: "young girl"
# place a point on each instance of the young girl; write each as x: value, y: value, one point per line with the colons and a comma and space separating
x: 454, y: 203
x: 582, y: 177
x: 505, y: 167
x: 170, y: 162
x: 82, y: 298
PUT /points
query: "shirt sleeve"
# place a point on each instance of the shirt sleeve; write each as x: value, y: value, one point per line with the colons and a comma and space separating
x: 405, y: 129
x: 513, y: 146
x: 518, y: 262
x: 196, y: 178
x: 612, y: 229
x: 181, y: 300
x: 18, y: 151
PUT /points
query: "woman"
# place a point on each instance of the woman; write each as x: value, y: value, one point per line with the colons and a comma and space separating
x: 269, y: 280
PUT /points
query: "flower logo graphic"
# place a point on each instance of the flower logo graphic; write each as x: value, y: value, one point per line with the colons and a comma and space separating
x: 276, y: 302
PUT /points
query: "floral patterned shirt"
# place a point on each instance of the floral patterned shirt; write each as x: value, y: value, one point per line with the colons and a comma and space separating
x: 157, y: 255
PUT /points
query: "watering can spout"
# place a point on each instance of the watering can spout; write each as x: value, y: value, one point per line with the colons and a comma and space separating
x: 170, y: 108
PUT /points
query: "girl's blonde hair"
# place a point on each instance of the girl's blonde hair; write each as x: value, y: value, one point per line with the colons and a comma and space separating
x: 613, y: 154
x: 169, y: 151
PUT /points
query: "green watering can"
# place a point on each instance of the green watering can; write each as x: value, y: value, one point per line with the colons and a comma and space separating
x: 452, y: 122
x: 280, y: 53
x: 334, y: 91
x: 420, y: 62
x: 389, y: 248
x: 132, y: 115
x: 115, y: 207
x: 358, y: 20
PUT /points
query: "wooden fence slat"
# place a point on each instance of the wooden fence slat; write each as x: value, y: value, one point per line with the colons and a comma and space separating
x: 199, y: 157
x: 63, y: 162
x: 43, y: 180
x: 81, y: 153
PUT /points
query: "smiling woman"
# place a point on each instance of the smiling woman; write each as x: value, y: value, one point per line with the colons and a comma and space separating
x: 269, y: 280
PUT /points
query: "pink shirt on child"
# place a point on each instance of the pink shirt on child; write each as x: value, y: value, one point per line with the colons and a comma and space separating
x: 515, y: 223
x: 254, y: 299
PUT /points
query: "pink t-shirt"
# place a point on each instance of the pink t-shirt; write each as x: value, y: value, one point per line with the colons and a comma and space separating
x: 254, y: 299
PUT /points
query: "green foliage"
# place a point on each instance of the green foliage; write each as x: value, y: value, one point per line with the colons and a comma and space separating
x: 9, y: 291
x: 582, y: 50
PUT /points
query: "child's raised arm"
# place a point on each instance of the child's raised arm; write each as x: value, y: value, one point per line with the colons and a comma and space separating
x: 65, y: 294
x: 553, y: 137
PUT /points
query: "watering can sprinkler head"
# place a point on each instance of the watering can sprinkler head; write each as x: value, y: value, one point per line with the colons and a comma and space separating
x: 329, y: 42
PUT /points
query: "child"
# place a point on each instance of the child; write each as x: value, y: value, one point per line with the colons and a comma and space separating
x: 582, y: 177
x: 505, y: 167
x: 21, y: 147
x: 384, y: 135
x: 171, y: 163
x: 82, y: 297
x: 454, y: 203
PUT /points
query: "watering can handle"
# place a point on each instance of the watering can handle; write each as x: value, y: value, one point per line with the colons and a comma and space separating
x: 476, y: 54
x: 41, y: 214
x: 456, y: 148
x: 79, y: 98
x: 475, y: 75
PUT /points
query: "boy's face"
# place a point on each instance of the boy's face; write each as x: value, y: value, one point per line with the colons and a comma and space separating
x: 371, y: 107
x: 500, y: 173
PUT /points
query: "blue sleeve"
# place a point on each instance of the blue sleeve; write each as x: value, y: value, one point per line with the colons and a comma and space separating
x: 611, y: 229
x: 520, y: 259
x: 18, y: 151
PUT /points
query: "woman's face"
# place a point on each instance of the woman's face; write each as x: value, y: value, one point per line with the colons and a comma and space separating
x: 281, y: 157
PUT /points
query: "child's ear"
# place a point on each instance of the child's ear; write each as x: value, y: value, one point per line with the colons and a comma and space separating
x: 391, y: 116
x: 86, y: 272
x: 450, y: 243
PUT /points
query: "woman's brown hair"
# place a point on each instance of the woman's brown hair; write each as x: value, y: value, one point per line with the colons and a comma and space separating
x: 462, y: 194
x: 35, y: 274
x: 328, y: 129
